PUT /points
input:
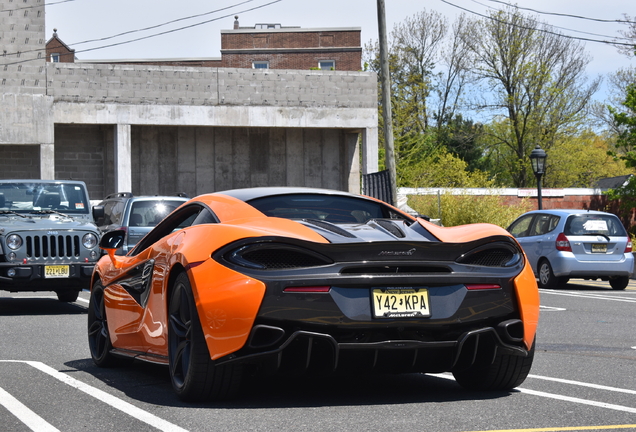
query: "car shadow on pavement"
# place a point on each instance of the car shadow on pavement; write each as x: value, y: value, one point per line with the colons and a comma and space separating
x: 12, y: 306
x: 150, y: 383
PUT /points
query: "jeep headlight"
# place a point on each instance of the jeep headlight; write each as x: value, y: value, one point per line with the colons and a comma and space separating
x: 89, y: 240
x: 14, y: 242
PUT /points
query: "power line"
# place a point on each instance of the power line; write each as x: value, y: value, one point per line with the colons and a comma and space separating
x: 564, y: 14
x: 541, y: 30
x: 180, y: 28
x: 558, y: 27
x: 37, y: 6
x: 168, y: 22
x: 153, y: 35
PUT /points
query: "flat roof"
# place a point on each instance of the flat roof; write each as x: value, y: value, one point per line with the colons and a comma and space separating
x: 292, y: 30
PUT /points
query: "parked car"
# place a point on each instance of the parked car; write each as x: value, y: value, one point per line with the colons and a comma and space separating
x: 48, y: 241
x: 136, y: 215
x: 297, y: 280
x: 564, y: 244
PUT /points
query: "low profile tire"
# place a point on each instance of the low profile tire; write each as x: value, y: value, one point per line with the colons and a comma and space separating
x: 67, y: 296
x: 504, y: 373
x: 619, y: 282
x: 547, y: 278
x: 194, y: 375
x: 98, y: 337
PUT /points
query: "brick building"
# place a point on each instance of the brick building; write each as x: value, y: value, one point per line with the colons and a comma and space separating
x: 57, y: 51
x: 262, y: 46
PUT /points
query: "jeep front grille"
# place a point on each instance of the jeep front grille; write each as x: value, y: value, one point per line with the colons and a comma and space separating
x: 53, y: 246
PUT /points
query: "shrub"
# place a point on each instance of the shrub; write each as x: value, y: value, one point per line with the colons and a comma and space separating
x: 456, y: 210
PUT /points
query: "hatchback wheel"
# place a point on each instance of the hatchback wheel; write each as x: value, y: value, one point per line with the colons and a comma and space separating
x: 619, y: 282
x: 546, y: 276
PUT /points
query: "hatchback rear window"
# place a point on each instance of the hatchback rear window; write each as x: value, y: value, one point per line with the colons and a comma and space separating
x: 594, y: 224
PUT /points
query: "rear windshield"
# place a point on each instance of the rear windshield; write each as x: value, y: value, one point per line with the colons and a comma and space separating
x: 329, y: 208
x: 587, y: 224
x: 24, y: 197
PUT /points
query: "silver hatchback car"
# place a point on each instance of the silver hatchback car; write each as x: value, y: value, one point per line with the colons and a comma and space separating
x: 561, y: 244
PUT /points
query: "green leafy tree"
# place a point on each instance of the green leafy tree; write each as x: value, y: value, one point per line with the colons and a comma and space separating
x: 625, y: 121
x: 535, y: 86
x: 580, y: 161
x: 442, y: 169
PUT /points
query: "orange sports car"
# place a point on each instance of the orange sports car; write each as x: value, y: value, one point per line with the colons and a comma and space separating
x: 275, y: 280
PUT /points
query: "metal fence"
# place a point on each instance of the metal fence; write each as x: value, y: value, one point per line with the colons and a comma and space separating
x: 378, y: 185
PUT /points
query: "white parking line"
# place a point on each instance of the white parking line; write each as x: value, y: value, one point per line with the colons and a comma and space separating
x: 111, y: 400
x: 24, y: 414
x: 579, y: 400
x: 568, y: 398
x: 551, y: 309
x: 588, y: 296
x: 583, y: 384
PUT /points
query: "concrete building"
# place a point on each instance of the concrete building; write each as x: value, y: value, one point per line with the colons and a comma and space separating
x: 162, y: 129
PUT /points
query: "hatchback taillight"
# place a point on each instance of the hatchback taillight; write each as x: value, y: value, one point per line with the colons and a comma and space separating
x: 628, y: 247
x: 563, y: 244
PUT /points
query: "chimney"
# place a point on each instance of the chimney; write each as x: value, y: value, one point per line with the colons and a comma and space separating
x: 236, y: 24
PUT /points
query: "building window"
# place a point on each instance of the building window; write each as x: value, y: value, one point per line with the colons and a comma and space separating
x: 55, y: 58
x: 327, y: 64
x: 260, y: 65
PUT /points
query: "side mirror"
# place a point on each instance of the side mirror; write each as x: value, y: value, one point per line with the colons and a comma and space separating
x: 98, y: 212
x: 112, y: 240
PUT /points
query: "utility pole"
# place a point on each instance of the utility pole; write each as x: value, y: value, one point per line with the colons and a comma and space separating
x: 389, y: 148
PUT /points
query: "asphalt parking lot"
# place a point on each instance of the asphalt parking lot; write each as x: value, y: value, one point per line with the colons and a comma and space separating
x: 583, y: 379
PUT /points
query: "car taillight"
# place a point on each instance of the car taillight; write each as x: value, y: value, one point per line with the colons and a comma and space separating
x: 628, y: 247
x: 563, y: 244
x: 482, y: 286
x: 308, y: 289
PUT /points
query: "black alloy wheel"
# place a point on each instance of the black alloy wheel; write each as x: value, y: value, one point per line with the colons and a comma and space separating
x: 98, y: 337
x: 193, y: 374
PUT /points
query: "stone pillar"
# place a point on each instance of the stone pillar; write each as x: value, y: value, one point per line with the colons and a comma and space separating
x: 370, y: 150
x: 47, y: 161
x: 123, y: 158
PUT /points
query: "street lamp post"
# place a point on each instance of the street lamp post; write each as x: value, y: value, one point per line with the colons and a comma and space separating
x: 537, y: 158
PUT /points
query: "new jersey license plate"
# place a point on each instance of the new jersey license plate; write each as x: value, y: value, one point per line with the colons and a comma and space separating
x: 599, y: 248
x: 56, y: 271
x: 400, y: 303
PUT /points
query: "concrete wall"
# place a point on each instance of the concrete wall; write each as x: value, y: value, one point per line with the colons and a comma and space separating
x: 161, y: 129
x: 19, y: 161
x: 196, y: 160
x: 190, y: 86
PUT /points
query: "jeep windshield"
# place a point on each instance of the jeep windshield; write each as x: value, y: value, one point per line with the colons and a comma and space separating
x: 43, y: 197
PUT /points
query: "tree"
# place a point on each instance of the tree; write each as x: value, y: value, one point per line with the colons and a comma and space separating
x: 628, y: 49
x: 580, y: 161
x: 429, y: 72
x: 442, y: 169
x: 625, y: 121
x: 534, y: 81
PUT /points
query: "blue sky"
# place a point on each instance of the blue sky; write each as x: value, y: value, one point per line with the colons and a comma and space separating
x: 82, y: 20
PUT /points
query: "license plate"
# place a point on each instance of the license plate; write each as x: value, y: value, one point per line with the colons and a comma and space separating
x: 56, y: 271
x: 400, y: 303
x: 599, y: 248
